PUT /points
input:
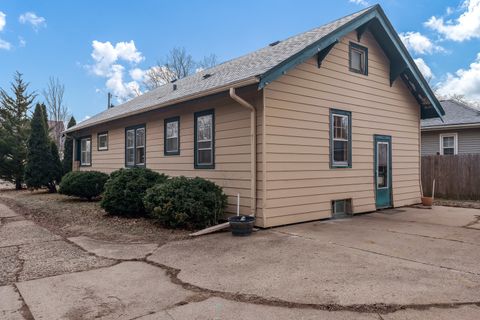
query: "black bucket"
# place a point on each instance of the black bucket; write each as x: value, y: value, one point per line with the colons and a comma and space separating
x: 241, y: 225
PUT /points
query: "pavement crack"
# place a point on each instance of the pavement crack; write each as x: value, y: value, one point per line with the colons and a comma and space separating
x: 380, y: 308
x: 24, y: 310
x: 475, y: 221
x: 405, y: 259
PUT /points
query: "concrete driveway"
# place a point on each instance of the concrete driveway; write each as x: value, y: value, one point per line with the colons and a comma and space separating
x: 396, y: 264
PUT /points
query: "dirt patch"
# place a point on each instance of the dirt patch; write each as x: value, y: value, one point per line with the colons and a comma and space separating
x: 458, y: 203
x: 71, y: 217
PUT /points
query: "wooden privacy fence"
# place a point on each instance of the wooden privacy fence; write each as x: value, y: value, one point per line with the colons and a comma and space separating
x: 456, y: 177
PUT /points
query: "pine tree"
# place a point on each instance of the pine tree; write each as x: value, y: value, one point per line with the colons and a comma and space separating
x: 68, y: 149
x: 38, y: 172
x: 55, y: 167
x: 14, y: 130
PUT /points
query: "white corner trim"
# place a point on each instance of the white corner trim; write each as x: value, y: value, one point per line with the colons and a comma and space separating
x: 455, y: 143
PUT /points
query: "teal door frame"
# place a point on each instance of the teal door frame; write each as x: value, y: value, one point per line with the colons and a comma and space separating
x: 383, y: 189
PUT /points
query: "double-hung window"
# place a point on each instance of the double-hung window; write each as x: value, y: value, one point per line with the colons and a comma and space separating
x: 358, y: 58
x: 449, y: 144
x: 135, y: 146
x: 86, y: 151
x: 171, y: 141
x: 102, y: 141
x: 340, y: 138
x: 205, y: 139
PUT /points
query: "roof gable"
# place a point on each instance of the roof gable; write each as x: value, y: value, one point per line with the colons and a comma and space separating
x: 401, y: 63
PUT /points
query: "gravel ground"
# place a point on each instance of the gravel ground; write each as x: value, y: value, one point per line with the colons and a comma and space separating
x: 71, y: 217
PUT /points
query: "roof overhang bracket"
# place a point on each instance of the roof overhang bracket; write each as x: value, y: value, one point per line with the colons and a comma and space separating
x: 361, y: 30
x: 323, y: 53
x: 396, y: 69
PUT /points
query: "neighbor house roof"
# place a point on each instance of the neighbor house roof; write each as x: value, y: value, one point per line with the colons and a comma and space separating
x: 457, y: 115
x: 266, y: 64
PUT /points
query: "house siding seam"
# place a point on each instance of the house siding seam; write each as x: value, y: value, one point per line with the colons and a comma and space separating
x: 232, y: 146
x: 468, y: 141
x: 300, y: 185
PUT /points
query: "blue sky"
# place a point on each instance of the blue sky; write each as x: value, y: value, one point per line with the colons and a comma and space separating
x: 58, y: 38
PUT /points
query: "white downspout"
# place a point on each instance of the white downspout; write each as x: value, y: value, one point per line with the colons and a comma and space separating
x: 253, y: 148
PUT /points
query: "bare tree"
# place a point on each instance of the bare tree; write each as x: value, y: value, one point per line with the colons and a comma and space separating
x: 207, y: 62
x: 177, y: 65
x: 57, y: 110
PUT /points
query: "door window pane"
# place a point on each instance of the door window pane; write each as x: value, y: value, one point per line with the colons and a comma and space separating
x: 382, y: 165
x: 85, y: 151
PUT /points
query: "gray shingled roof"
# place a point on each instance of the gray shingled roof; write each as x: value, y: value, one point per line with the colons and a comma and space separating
x: 249, y: 66
x: 456, y: 113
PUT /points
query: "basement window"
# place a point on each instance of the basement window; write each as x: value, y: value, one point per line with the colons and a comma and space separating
x: 358, y: 58
x: 341, y: 208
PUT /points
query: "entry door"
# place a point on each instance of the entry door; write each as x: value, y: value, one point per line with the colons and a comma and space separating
x: 383, y: 171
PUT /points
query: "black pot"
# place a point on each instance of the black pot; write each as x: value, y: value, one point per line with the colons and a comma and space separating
x: 241, y: 225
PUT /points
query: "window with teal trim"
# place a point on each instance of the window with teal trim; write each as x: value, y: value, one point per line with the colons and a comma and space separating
x: 340, y: 139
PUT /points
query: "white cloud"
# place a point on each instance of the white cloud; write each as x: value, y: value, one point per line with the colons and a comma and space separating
x: 424, y: 68
x: 31, y: 18
x: 465, y: 27
x: 137, y: 74
x: 108, y: 64
x: 464, y: 82
x: 3, y: 20
x: 419, y: 44
x: 86, y: 118
x: 5, y: 45
x: 360, y: 2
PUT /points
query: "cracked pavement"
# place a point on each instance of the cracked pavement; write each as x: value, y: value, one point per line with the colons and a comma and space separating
x: 396, y: 264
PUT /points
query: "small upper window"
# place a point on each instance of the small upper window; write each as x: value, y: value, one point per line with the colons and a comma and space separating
x: 205, y: 140
x: 102, y: 141
x: 135, y: 146
x: 448, y: 144
x: 86, y: 152
x: 358, y: 56
x: 171, y: 140
x: 340, y: 133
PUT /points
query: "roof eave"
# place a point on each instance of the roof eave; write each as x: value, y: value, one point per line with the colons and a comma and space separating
x: 238, y: 84
x: 450, y: 126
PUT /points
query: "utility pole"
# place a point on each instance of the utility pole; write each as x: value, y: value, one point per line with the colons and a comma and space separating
x: 109, y: 103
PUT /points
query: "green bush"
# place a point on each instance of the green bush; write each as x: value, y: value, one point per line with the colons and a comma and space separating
x: 83, y: 184
x: 191, y: 203
x: 125, y: 189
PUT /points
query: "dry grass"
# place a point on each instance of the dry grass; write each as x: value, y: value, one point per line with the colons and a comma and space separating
x: 71, y: 217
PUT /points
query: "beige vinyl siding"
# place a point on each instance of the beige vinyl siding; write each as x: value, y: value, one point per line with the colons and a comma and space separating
x: 300, y: 184
x: 232, y: 145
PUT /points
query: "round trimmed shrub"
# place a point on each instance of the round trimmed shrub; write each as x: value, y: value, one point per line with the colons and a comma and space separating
x: 191, y: 203
x: 125, y: 189
x: 83, y: 184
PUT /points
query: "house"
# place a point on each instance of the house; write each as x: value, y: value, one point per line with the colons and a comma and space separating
x: 323, y: 123
x: 459, y: 133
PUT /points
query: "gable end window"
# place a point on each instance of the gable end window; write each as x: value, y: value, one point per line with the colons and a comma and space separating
x: 358, y: 58
x: 204, y: 140
x: 449, y: 144
x: 135, y: 146
x: 85, y: 151
x: 340, y: 139
x: 102, y: 141
x: 171, y: 136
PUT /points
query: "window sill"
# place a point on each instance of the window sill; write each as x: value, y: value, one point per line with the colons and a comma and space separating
x: 208, y: 166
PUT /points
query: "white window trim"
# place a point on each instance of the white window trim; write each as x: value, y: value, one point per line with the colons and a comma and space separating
x: 455, y: 144
x: 98, y: 140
